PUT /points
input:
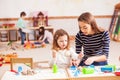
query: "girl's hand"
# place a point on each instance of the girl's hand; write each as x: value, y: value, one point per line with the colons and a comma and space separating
x: 54, y: 53
x: 75, y: 62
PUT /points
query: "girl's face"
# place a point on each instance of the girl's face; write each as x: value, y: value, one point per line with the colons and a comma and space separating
x: 85, y: 28
x: 62, y: 41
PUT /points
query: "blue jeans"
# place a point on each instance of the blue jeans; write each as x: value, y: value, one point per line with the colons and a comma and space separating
x: 23, y: 35
x: 46, y: 41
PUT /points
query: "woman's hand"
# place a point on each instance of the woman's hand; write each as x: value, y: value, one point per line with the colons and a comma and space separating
x: 81, y: 55
x: 89, y: 60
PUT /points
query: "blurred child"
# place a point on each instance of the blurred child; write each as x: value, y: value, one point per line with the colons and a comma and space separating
x: 21, y: 24
x: 62, y: 55
x: 45, y: 36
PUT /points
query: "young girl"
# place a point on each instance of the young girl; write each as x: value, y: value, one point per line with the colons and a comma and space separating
x: 45, y: 36
x: 62, y: 55
x: 94, y: 40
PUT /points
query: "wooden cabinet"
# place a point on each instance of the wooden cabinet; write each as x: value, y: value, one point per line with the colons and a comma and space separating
x: 4, y: 35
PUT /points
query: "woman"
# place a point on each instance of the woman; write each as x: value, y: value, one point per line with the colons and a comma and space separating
x: 94, y: 41
x: 45, y: 36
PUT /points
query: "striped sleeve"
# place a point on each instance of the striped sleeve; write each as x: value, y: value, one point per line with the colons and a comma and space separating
x: 106, y: 41
x: 78, y: 43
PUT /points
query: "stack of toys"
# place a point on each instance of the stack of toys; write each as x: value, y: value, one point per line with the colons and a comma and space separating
x: 39, y: 44
x: 29, y: 45
x: 5, y: 58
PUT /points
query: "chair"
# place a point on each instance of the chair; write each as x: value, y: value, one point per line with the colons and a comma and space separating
x: 21, y: 60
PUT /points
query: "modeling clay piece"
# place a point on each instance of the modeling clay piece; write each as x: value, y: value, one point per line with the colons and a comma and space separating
x: 88, y: 70
x: 113, y: 66
x: 117, y: 73
x: 19, y: 70
x: 73, y: 68
x: 55, y: 68
x: 77, y: 72
x: 106, y: 69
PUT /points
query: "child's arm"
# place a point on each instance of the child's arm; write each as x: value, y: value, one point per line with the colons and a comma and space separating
x: 53, y: 61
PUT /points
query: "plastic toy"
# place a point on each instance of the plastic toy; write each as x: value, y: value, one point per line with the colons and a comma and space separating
x: 55, y: 68
x: 113, y: 66
x: 88, y: 70
x: 106, y: 69
x: 73, y: 68
x: 43, y: 45
x: 117, y: 73
x: 77, y: 72
x: 29, y: 45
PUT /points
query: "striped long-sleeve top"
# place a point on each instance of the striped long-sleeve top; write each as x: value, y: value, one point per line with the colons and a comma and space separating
x: 93, y: 45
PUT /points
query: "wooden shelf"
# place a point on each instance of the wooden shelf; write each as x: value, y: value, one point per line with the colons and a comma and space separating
x: 9, y: 35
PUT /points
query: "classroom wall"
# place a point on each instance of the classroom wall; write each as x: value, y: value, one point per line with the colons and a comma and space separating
x: 12, y: 9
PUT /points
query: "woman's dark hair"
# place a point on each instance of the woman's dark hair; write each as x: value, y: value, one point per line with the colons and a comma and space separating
x: 89, y: 19
x: 42, y: 30
x: 22, y: 14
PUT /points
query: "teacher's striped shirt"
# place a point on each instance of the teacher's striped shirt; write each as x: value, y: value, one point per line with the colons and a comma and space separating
x: 97, y: 44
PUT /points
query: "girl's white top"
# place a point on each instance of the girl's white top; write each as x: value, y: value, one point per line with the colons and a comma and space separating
x: 63, y: 58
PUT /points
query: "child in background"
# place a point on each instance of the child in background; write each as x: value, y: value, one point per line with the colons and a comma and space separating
x: 45, y: 36
x: 21, y: 24
x: 62, y: 55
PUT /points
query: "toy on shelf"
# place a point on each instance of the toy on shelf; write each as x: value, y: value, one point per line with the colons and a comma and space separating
x: 40, y: 18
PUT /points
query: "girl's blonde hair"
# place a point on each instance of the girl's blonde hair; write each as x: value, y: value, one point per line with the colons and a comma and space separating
x: 59, y: 33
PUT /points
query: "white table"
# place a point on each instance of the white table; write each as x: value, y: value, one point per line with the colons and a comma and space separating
x: 42, y: 74
x: 94, y: 76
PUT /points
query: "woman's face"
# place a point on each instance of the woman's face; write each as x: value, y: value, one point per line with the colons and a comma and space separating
x: 62, y: 41
x: 40, y: 30
x: 85, y: 28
